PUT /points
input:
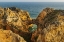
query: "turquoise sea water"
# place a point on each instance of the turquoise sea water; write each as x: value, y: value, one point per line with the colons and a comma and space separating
x: 34, y: 8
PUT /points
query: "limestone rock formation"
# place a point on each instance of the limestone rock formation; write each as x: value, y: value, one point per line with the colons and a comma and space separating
x: 50, y: 26
x: 15, y: 18
x: 42, y: 15
x: 54, y: 25
x: 9, y: 36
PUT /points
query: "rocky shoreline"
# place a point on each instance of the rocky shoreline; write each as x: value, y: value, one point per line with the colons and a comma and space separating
x: 50, y: 25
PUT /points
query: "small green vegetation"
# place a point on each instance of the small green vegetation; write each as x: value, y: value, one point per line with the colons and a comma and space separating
x: 31, y: 29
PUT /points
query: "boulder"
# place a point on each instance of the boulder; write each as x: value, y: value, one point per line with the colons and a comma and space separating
x: 9, y: 36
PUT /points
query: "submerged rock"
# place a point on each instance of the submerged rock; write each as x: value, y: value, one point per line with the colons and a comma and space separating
x: 9, y: 36
x: 50, y: 26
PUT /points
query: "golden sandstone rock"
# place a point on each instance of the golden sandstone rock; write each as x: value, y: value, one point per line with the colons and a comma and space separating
x: 15, y: 18
x: 50, y: 24
x: 50, y: 27
x: 9, y: 36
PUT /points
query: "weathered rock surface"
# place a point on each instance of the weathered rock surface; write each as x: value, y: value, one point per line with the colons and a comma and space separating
x: 15, y: 18
x: 9, y: 36
x: 50, y: 26
x: 54, y: 25
x: 41, y: 16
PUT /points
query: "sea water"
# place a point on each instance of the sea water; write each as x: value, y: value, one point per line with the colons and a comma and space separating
x: 34, y: 8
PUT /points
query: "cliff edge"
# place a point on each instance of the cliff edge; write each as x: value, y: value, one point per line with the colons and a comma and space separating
x: 50, y: 26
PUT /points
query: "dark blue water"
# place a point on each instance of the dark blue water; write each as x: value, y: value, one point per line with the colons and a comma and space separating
x: 34, y: 8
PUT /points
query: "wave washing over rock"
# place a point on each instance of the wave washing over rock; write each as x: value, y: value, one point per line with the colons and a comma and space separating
x: 50, y: 25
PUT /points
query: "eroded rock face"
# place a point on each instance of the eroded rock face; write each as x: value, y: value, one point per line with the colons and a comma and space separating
x: 15, y: 18
x: 50, y: 24
x: 54, y: 31
x: 50, y: 27
x: 9, y: 36
x: 42, y: 15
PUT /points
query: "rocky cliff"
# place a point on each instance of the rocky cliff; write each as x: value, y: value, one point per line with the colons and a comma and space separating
x: 50, y: 26
x: 16, y: 20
